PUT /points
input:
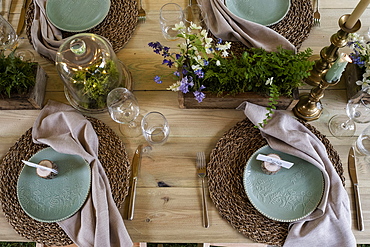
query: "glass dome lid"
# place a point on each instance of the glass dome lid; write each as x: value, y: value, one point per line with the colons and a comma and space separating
x: 89, y: 69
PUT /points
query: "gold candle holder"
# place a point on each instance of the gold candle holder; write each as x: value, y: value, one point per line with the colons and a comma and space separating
x: 309, y: 106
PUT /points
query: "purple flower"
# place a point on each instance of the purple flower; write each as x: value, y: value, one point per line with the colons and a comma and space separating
x: 168, y: 62
x: 157, y: 79
x: 199, y: 73
x: 184, y: 85
x: 176, y: 73
x: 199, y: 96
x: 178, y: 56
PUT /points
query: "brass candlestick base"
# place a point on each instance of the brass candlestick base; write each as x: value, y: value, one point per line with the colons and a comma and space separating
x: 309, y: 106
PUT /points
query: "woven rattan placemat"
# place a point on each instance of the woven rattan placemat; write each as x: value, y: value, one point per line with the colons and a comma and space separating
x: 117, y: 27
x: 295, y: 26
x: 225, y: 181
x: 113, y: 158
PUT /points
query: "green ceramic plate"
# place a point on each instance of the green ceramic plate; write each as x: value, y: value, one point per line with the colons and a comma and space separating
x: 264, y: 12
x: 76, y: 16
x: 56, y: 199
x: 289, y: 195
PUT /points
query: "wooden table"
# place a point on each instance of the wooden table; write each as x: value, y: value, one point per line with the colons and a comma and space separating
x: 173, y: 214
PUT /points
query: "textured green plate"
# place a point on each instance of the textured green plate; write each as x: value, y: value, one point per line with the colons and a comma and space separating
x: 56, y: 199
x: 76, y: 16
x: 264, y: 12
x: 289, y: 195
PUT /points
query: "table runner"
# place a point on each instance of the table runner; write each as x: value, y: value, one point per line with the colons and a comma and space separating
x: 113, y: 158
x: 225, y: 176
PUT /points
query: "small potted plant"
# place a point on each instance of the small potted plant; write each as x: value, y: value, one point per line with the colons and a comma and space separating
x: 22, y: 83
x: 204, y: 67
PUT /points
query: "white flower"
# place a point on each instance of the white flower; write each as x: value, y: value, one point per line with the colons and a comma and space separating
x: 179, y: 26
x: 194, y: 26
x: 225, y: 53
x: 269, y: 81
x: 175, y: 87
x: 218, y: 63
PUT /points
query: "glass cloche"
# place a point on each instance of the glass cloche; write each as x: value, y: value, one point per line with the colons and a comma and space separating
x: 90, y: 69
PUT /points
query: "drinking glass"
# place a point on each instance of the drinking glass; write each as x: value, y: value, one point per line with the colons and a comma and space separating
x: 155, y: 128
x: 8, y: 36
x: 362, y: 145
x: 170, y: 14
x: 358, y: 111
x: 194, y: 14
x: 123, y: 108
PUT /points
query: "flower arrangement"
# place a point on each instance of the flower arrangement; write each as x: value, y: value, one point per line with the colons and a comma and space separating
x: 360, y: 56
x: 205, y: 65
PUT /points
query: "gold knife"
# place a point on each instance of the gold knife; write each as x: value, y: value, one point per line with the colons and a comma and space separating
x: 353, y: 175
x: 22, y: 16
x: 136, y: 161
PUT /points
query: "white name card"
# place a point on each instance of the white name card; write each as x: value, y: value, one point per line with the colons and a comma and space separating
x: 279, y: 162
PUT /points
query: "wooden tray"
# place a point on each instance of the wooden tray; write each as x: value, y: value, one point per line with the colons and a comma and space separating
x: 212, y: 101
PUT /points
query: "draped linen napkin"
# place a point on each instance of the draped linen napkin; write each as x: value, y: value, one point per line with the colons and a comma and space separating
x: 227, y: 26
x: 330, y: 224
x: 46, y: 38
x: 98, y: 222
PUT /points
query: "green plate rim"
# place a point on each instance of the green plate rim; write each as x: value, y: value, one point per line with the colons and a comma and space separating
x: 70, y: 214
x: 268, y: 24
x: 261, y: 211
x: 59, y: 26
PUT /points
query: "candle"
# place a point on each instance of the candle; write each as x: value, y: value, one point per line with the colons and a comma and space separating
x: 336, y: 70
x: 357, y: 12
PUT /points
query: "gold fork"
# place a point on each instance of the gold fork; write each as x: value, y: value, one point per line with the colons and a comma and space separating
x: 316, y: 15
x: 201, y: 166
x: 142, y: 15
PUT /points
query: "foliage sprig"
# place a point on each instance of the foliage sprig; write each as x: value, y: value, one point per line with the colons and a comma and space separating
x: 16, y: 76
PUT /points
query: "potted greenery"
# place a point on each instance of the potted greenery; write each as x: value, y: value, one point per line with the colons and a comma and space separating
x: 22, y: 83
x: 206, y: 68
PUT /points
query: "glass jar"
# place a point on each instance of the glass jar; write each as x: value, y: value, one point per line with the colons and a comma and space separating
x: 90, y: 69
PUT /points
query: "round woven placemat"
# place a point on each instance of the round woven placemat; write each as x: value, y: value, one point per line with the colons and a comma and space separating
x: 295, y: 26
x: 225, y: 181
x: 118, y: 26
x: 113, y: 158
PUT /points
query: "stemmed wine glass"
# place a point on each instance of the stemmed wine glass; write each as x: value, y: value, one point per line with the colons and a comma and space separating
x: 8, y: 36
x: 124, y: 109
x: 358, y: 111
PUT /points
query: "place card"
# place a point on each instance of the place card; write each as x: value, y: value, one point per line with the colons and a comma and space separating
x: 279, y: 162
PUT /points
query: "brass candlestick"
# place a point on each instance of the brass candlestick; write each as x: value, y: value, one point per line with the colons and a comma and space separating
x: 309, y: 106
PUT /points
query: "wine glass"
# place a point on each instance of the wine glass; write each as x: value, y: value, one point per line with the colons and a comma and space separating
x: 155, y: 128
x: 170, y: 15
x: 358, y: 111
x: 124, y: 109
x: 8, y: 36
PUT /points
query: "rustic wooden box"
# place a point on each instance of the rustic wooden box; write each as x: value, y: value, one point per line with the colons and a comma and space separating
x: 350, y: 75
x: 212, y: 101
x: 32, y: 100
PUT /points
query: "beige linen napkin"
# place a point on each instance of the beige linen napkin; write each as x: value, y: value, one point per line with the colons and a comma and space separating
x: 99, y: 222
x: 46, y: 38
x: 330, y: 223
x: 227, y: 26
